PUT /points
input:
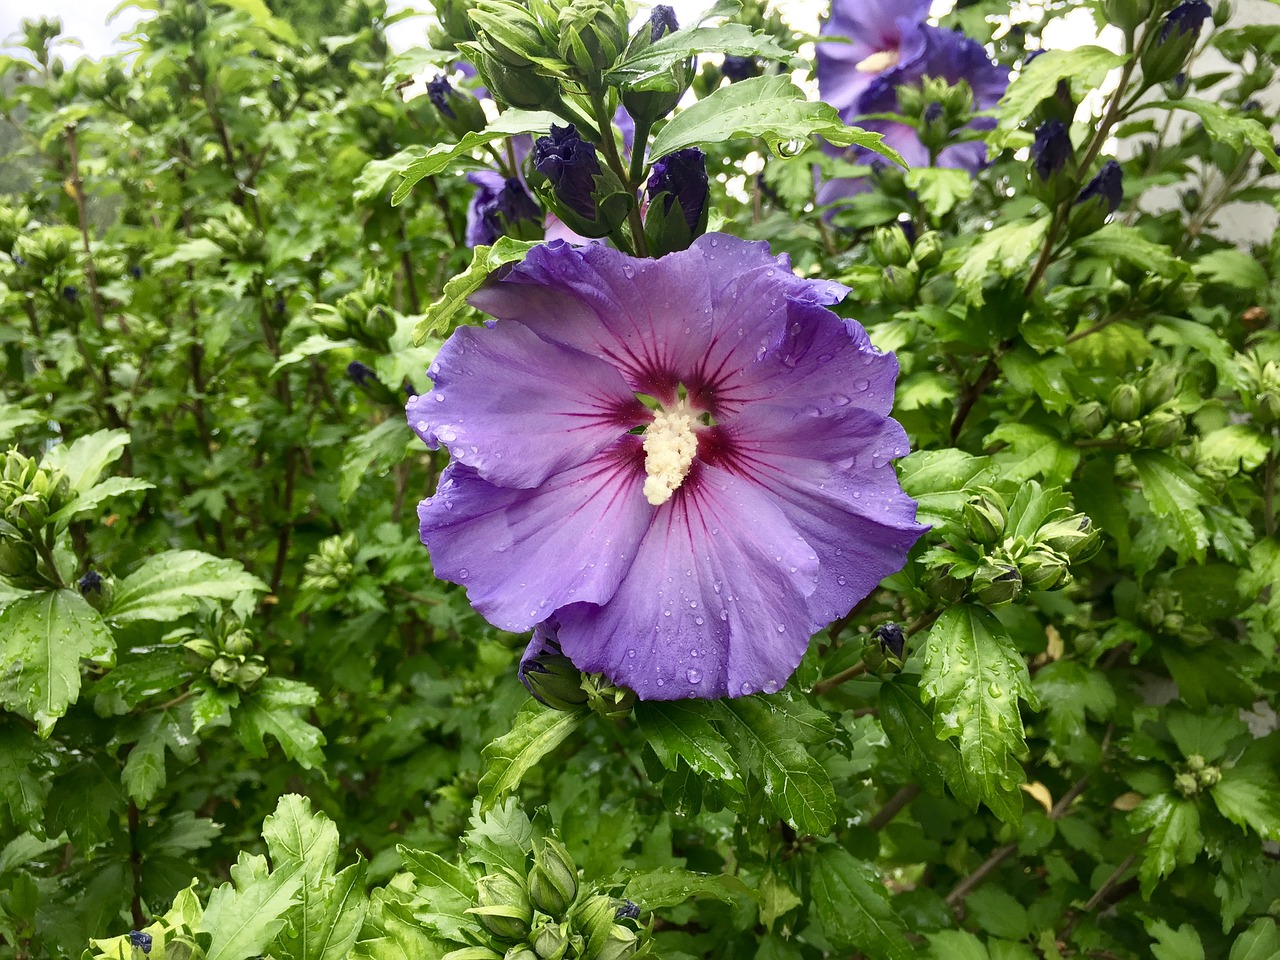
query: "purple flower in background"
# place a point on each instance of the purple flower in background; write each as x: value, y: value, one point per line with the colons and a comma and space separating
x: 500, y: 205
x: 438, y: 91
x: 1185, y: 18
x: 875, y: 31
x: 736, y: 69
x: 690, y: 545
x: 1051, y: 149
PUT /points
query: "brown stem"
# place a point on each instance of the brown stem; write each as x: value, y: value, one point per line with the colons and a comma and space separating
x: 406, y: 264
x: 971, y: 395
x: 895, y: 805
x: 91, y: 274
x: 135, y: 868
x: 823, y: 686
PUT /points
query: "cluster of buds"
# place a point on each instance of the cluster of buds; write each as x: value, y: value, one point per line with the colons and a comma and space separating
x: 359, y: 315
x: 1137, y: 415
x: 1003, y: 567
x: 230, y: 657
x: 29, y: 496
x: 1195, y: 776
x: 1161, y: 610
x: 547, y: 915
x: 237, y: 237
x: 937, y: 109
x: 1261, y: 396
x: 43, y: 252
x: 904, y: 262
x: 330, y: 567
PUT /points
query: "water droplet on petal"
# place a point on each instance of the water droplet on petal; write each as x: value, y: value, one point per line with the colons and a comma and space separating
x: 693, y: 675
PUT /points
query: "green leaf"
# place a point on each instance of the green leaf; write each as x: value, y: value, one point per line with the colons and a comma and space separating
x: 1033, y: 452
x: 853, y: 906
x: 1002, y: 251
x: 448, y: 890
x: 1070, y: 693
x: 20, y: 789
x: 795, y: 783
x: 975, y: 677
x: 1169, y: 944
x: 770, y: 107
x: 535, y: 732
x: 83, y: 460
x: 262, y: 17
x: 484, y: 260
x: 1087, y: 65
x: 1206, y: 736
x: 245, y: 916
x: 1174, y: 839
x: 312, y: 346
x: 272, y: 708
x: 1249, y: 796
x: 500, y: 837
x: 935, y: 761
x: 1225, y: 126
x: 172, y: 584
x: 441, y: 156
x: 385, y: 443
x: 13, y: 418
x: 681, y: 729
x: 998, y: 912
x: 940, y: 188
x: 1116, y: 242
x: 43, y: 638
x: 1260, y: 942
x: 941, y: 481
x: 652, y: 63
x: 1175, y: 493
x: 1235, y: 447
x: 669, y: 886
x: 956, y: 945
x: 97, y: 495
x: 1231, y: 267
x: 144, y: 770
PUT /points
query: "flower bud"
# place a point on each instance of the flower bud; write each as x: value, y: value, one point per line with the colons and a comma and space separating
x: 140, y: 941
x: 928, y: 250
x: 1159, y: 386
x: 984, y: 518
x: 1044, y: 569
x: 652, y: 104
x: 553, y: 881
x: 238, y: 643
x: 593, y: 34
x: 452, y: 16
x: 507, y: 31
x: 883, y: 649
x: 1162, y: 429
x: 1175, y: 40
x: 1074, y: 536
x: 551, y: 941
x: 1186, y: 784
x: 900, y: 284
x: 1129, y: 432
x: 521, y: 87
x: 996, y: 583
x: 19, y: 564
x: 364, y: 378
x: 594, y: 920
x: 590, y: 199
x: 1099, y: 199
x: 1126, y: 402
x: 735, y: 69
x: 610, y: 701
x: 1126, y: 14
x: 503, y: 905
x: 98, y: 590
x: 1051, y: 159
x: 378, y: 325
x: 621, y: 943
x: 941, y: 585
x: 458, y: 109
x: 1208, y: 777
x: 1088, y: 419
x: 1268, y: 409
x: 890, y: 247
x: 678, y: 190
x: 520, y: 952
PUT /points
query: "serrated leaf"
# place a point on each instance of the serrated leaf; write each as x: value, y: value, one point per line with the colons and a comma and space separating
x: 940, y: 189
x: 1232, y: 267
x: 1174, y: 839
x: 935, y: 761
x: 97, y: 495
x: 681, y: 729
x: 500, y: 837
x: 245, y: 916
x: 854, y: 907
x: 1033, y: 452
x: 535, y: 732
x: 484, y: 260
x: 144, y: 769
x: 1170, y: 944
x: 312, y: 346
x: 84, y: 459
x: 770, y: 107
x: 447, y: 890
x: 941, y: 481
x: 1001, y: 251
x: 796, y: 785
x: 1116, y: 242
x: 272, y: 708
x: 1087, y: 65
x: 1260, y: 942
x: 669, y: 886
x: 652, y: 62
x: 1235, y: 447
x: 975, y: 677
x: 1175, y: 493
x: 386, y: 443
x: 1207, y: 736
x: 13, y: 418
x: 439, y: 157
x: 20, y: 789
x: 43, y: 638
x: 1225, y: 126
x: 1249, y: 796
x: 172, y: 584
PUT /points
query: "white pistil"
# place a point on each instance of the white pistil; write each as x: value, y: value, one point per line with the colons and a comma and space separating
x: 670, y: 444
x: 879, y: 61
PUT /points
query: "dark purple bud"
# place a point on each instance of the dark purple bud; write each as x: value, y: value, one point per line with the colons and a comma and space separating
x: 1185, y: 18
x: 69, y: 294
x: 279, y: 306
x: 682, y: 176
x: 20, y: 261
x: 140, y: 940
x: 739, y: 68
x: 934, y: 112
x: 571, y: 164
x: 439, y: 90
x: 91, y: 582
x: 359, y: 374
x: 630, y: 910
x: 512, y: 205
x: 892, y: 640
x: 662, y: 20
x: 1108, y: 186
x: 136, y: 272
x: 410, y: 390
x: 1051, y: 150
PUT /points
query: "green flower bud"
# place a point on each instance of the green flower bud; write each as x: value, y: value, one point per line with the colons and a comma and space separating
x: 1044, y: 569
x: 507, y: 31
x: 607, y: 699
x: 553, y: 881
x: 984, y: 517
x: 1163, y: 429
x: 379, y: 325
x: 1088, y: 419
x: 330, y: 321
x: 1268, y: 409
x: 928, y: 250
x: 554, y: 680
x: 238, y: 643
x: 1159, y: 386
x: 1129, y: 432
x: 521, y: 87
x: 45, y: 250
x: 593, y: 34
x: 941, y: 585
x: 19, y: 564
x: 890, y: 247
x: 650, y: 105
x: 996, y: 583
x: 504, y: 906
x: 223, y: 671
x: 452, y: 15
x: 900, y: 284
x: 621, y: 944
x: 593, y: 919
x: 1151, y: 612
x: 1186, y: 784
x: 551, y: 941
x: 1126, y: 14
x: 1195, y: 763
x: 1208, y: 777
x: 1126, y: 402
x: 1075, y: 537
x: 520, y: 952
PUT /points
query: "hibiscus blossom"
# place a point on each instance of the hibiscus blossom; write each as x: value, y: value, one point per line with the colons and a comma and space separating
x: 686, y: 462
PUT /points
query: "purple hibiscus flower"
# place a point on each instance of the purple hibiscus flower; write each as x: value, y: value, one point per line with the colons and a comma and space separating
x: 686, y: 462
x: 893, y: 48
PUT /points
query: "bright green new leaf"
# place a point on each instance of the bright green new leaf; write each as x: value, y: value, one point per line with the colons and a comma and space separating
x: 43, y: 638
x: 1033, y: 452
x: 854, y: 908
x: 770, y: 107
x: 246, y: 915
x: 535, y: 732
x: 1174, y: 839
x: 648, y: 68
x: 1087, y: 65
x: 484, y: 260
x: 941, y: 481
x: 144, y: 770
x: 97, y: 495
x: 681, y: 729
x: 1170, y: 944
x: 940, y: 188
x: 1002, y: 251
x: 84, y: 459
x: 448, y: 891
x: 1260, y: 942
x: 1175, y: 493
x: 500, y: 837
x: 169, y: 585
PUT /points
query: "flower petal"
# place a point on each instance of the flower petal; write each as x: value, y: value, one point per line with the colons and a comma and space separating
x: 521, y: 553
x: 518, y: 409
x: 715, y: 603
